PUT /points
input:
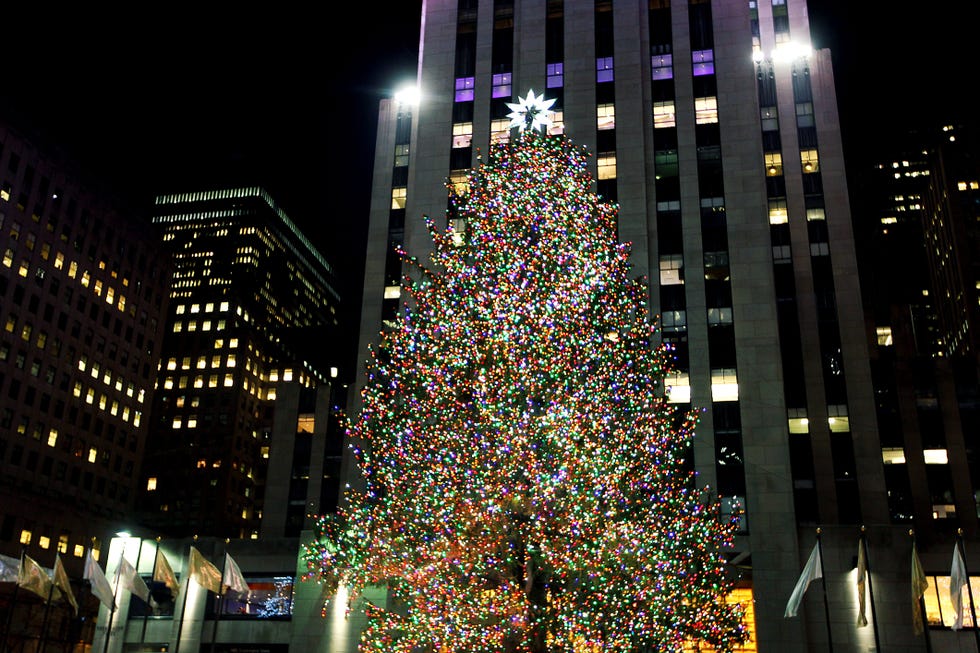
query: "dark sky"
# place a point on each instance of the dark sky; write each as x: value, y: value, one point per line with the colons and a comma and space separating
x: 174, y: 98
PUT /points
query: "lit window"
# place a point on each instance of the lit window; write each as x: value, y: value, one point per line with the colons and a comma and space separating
x: 393, y: 292
x: 724, y: 385
x: 501, y: 85
x: 671, y: 269
x: 399, y: 196
x: 231, y: 360
x: 63, y: 544
x: 25, y: 536
x: 151, y: 484
x: 213, y: 381
x: 78, y: 551
x: 178, y: 422
x: 401, y: 160
x: 178, y: 326
x: 893, y: 456
x: 797, y: 421
x: 884, y: 336
x: 195, y: 308
x: 557, y: 123
x: 704, y: 62
x: 663, y: 114
x: 705, y: 110
x: 809, y: 161
x: 935, y: 456
x: 44, y: 542
x: 603, y: 69
x: 229, y: 380
x: 673, y: 321
x: 837, y: 418
x: 678, y: 388
x: 662, y: 66
x: 52, y: 437
x: 778, y: 213
x: 815, y: 213
x: 774, y: 164
x: 556, y: 73
x: 500, y: 130
x: 462, y: 134
x: 719, y: 316
x: 233, y: 343
x: 605, y: 116
x: 464, y: 89
x: 93, y: 455
x: 606, y: 165
x: 460, y: 179
x: 223, y: 306
x: 819, y: 249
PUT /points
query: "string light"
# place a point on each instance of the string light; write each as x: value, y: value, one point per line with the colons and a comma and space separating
x: 525, y: 481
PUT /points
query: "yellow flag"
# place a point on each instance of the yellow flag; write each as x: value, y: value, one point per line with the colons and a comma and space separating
x: 919, y: 587
x: 63, y: 584
x: 164, y: 573
x: 203, y: 572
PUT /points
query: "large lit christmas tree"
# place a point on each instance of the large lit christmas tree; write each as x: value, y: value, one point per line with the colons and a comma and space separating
x: 524, y: 478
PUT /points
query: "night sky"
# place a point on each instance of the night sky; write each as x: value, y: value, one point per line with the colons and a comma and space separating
x: 173, y: 99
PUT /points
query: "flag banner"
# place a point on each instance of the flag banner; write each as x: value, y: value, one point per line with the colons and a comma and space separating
x: 32, y: 577
x: 100, y: 586
x: 233, y: 579
x: 9, y: 569
x: 957, y: 581
x: 127, y: 578
x: 203, y: 572
x: 164, y: 573
x: 811, y: 572
x: 63, y: 584
x: 919, y: 587
x: 862, y: 590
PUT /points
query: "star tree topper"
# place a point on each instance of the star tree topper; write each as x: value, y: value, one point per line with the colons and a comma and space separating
x: 532, y: 111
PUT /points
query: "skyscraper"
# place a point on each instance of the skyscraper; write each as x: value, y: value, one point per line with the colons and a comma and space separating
x: 714, y: 127
x: 253, y: 305
x: 83, y: 295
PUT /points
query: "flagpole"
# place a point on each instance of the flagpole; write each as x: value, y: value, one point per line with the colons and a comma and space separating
x: 44, y: 623
x: 871, y: 592
x: 969, y: 587
x: 826, y: 605
x: 115, y: 592
x: 13, y: 604
x: 146, y: 613
x: 183, y: 604
x: 922, y: 603
x: 221, y: 596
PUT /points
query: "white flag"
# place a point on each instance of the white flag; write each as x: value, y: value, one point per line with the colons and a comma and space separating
x: 233, y: 579
x: 127, y: 578
x: 811, y: 572
x: 100, y: 586
x: 63, y: 584
x: 862, y: 590
x: 957, y: 581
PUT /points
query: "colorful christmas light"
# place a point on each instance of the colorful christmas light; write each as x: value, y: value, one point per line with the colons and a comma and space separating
x: 524, y: 478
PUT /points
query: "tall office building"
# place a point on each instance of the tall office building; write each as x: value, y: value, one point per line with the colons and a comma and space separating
x: 253, y: 306
x: 922, y: 228
x: 714, y: 126
x: 83, y: 293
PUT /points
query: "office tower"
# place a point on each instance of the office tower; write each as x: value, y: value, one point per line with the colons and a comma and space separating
x: 84, y: 287
x: 921, y: 227
x: 714, y: 127
x: 253, y: 306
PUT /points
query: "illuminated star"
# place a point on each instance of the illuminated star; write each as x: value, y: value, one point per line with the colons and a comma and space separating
x: 531, y: 111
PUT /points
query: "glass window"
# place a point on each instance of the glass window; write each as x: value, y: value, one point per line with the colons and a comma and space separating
x: 401, y: 160
x: 704, y: 62
x: 502, y: 85
x: 398, y: 197
x: 804, y: 114
x: 809, y: 161
x: 604, y: 69
x: 778, y: 213
x: 678, y: 388
x: 500, y: 130
x: 774, y: 164
x: 462, y: 134
x: 671, y: 269
x: 724, y: 384
x: 662, y: 66
x: 464, y: 89
x: 605, y: 116
x: 606, y: 165
x: 663, y: 114
x: 556, y: 75
x: 705, y: 110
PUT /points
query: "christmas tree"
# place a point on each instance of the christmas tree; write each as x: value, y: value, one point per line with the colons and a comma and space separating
x: 525, y: 482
